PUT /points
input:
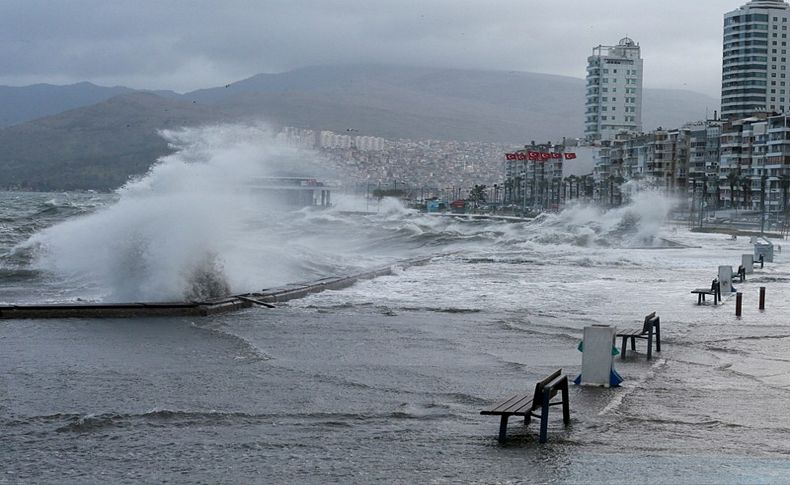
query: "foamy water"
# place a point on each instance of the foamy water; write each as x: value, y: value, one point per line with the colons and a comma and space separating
x: 382, y: 381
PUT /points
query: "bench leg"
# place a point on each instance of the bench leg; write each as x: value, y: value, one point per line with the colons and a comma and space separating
x: 566, y: 406
x: 527, y: 419
x: 503, y: 429
x: 650, y: 344
x: 658, y: 335
x: 633, y: 344
x: 544, y: 419
x: 624, y: 347
x: 700, y: 298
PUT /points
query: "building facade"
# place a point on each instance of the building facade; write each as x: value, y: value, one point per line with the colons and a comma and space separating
x: 755, y: 69
x: 614, y: 90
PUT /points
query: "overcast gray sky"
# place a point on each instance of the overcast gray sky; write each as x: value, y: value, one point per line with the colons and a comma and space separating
x: 189, y: 44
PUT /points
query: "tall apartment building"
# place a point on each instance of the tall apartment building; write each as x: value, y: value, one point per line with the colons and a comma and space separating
x: 614, y: 90
x: 755, y: 61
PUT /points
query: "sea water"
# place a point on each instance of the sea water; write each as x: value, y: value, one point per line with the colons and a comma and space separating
x: 383, y: 381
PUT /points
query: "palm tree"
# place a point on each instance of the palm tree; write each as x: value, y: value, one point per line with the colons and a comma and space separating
x: 732, y: 179
x: 746, y: 187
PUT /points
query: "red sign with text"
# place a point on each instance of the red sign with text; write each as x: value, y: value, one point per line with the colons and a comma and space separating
x: 539, y: 156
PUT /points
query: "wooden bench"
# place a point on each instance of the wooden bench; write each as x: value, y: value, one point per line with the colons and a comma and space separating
x: 523, y: 405
x: 651, y: 327
x: 715, y: 290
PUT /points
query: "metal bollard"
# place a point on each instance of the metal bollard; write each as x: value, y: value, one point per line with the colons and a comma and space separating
x: 738, y: 303
x: 762, y: 298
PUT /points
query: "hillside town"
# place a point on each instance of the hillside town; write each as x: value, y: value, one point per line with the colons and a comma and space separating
x: 738, y: 160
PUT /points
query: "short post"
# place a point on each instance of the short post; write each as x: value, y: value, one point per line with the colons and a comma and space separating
x: 762, y: 298
x: 738, y: 304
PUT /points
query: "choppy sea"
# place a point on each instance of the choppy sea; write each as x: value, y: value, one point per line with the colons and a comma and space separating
x: 382, y: 381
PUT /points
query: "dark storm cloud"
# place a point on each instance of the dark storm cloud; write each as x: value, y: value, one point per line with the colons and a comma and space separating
x: 184, y: 45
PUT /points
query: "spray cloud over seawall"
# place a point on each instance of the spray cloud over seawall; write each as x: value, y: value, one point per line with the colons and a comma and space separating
x: 635, y: 224
x: 189, y: 229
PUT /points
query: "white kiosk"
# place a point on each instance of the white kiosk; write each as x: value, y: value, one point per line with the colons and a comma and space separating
x: 725, y: 280
x: 747, y: 261
x: 598, y: 351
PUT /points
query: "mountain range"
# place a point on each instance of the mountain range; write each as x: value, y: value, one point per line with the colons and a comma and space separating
x: 88, y: 136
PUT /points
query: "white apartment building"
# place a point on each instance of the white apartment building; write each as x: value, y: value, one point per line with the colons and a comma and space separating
x: 755, y: 72
x: 614, y: 90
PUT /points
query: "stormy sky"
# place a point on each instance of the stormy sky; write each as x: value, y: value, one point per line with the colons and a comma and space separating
x: 189, y: 44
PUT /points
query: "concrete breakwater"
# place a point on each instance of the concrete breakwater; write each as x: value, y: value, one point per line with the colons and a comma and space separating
x: 265, y: 297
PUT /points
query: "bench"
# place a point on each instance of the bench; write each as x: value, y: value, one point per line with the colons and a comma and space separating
x: 715, y: 290
x: 741, y: 274
x: 523, y: 405
x: 651, y: 326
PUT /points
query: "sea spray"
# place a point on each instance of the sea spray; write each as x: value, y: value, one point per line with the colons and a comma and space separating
x: 635, y: 224
x: 190, y: 228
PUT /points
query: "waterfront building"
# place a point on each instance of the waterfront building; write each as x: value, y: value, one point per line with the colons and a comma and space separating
x: 614, y: 90
x: 533, y: 182
x: 755, y: 65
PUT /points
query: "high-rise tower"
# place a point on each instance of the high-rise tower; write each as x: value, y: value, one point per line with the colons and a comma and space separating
x: 755, y: 68
x: 614, y: 90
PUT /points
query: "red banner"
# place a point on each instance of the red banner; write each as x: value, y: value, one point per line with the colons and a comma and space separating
x: 539, y: 156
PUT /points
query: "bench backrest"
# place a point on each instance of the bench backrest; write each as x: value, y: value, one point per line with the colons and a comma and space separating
x: 537, y: 398
x: 650, y: 321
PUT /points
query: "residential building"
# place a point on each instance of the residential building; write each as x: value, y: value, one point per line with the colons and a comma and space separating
x: 755, y: 61
x: 614, y: 90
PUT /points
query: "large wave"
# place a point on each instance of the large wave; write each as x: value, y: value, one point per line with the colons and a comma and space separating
x: 190, y: 228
